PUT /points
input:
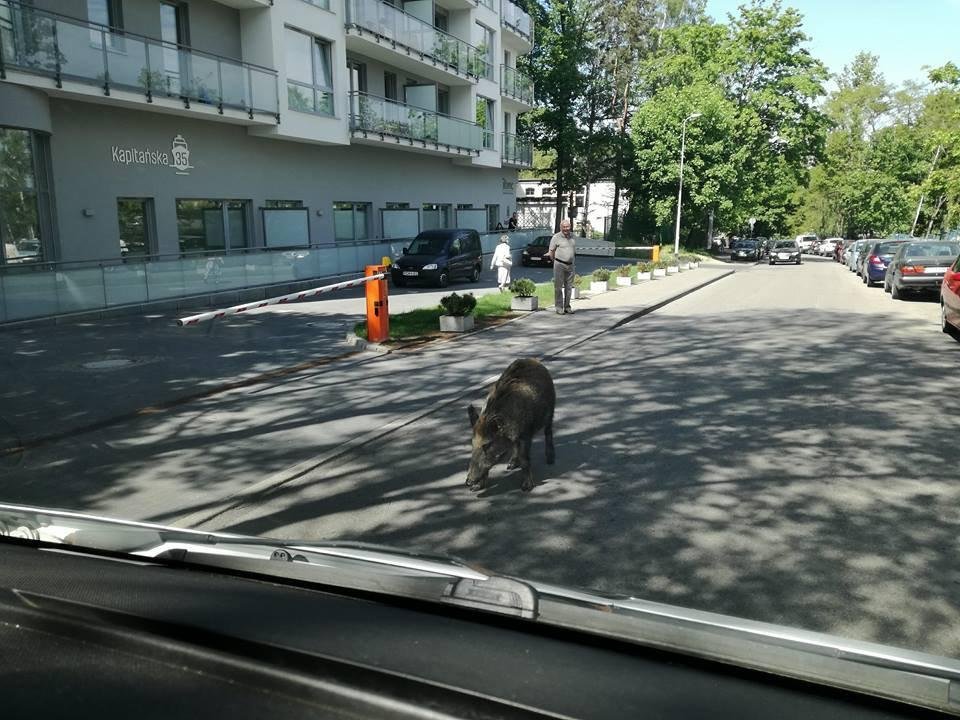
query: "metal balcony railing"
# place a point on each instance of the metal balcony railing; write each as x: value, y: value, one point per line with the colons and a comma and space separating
x: 392, y: 23
x: 373, y: 114
x: 516, y: 19
x: 66, y: 49
x: 516, y: 151
x: 515, y: 84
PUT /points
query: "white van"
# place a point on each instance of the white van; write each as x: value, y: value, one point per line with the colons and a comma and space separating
x: 806, y: 241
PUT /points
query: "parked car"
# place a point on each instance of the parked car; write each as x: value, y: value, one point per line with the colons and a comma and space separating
x: 874, y: 259
x: 785, y: 251
x: 853, y: 254
x: 919, y: 266
x: 826, y: 247
x: 436, y: 257
x: 744, y: 250
x: 806, y: 242
x: 950, y: 299
x: 536, y: 252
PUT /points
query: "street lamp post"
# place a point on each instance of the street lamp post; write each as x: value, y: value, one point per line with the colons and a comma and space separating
x: 683, y: 147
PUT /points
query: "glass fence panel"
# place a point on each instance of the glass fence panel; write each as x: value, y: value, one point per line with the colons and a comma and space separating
x: 80, y: 289
x: 125, y: 284
x: 30, y: 295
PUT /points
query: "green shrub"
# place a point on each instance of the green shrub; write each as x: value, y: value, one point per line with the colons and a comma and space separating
x: 458, y: 305
x: 661, y: 265
x: 625, y: 270
x: 523, y: 287
x: 600, y: 275
x: 645, y: 267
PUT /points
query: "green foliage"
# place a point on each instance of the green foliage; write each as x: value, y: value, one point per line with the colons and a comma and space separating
x: 756, y: 88
x: 600, y: 275
x: 645, y: 267
x: 459, y: 305
x: 625, y: 270
x: 523, y: 287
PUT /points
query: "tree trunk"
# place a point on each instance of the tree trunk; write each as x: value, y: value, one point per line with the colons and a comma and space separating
x: 561, y: 160
x: 618, y: 170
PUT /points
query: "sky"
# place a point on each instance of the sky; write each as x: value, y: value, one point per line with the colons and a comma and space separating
x: 904, y: 34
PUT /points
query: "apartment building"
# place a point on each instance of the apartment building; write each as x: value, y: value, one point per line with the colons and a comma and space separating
x: 149, y: 130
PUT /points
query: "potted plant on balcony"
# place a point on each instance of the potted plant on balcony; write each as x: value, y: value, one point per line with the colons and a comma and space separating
x: 623, y: 275
x: 153, y: 81
x: 599, y: 280
x: 458, y: 310
x: 524, y: 295
x: 659, y: 269
x: 644, y: 271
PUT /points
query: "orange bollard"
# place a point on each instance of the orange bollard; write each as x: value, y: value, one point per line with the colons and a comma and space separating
x: 378, y: 314
x: 655, y: 253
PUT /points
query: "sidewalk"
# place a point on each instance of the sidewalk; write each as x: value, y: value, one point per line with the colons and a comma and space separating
x: 193, y: 459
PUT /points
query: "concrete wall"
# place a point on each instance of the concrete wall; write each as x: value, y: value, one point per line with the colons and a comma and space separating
x: 228, y: 163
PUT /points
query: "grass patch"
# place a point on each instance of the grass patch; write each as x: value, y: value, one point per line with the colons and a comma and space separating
x: 426, y: 321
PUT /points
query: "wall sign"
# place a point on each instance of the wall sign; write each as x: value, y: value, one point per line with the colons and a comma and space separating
x: 178, y: 157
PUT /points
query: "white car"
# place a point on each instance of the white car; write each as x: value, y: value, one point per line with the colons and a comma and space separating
x: 806, y: 242
x: 828, y: 246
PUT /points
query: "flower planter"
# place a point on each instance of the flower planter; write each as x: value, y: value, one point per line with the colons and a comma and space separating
x: 624, y: 281
x: 456, y: 323
x: 688, y: 266
x: 642, y: 276
x: 576, y: 293
x: 527, y: 304
x: 673, y: 270
x: 598, y: 287
x: 660, y: 272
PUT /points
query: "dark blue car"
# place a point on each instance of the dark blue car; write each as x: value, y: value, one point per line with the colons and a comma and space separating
x: 874, y: 259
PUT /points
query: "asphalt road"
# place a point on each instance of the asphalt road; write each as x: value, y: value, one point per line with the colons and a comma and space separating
x: 778, y: 446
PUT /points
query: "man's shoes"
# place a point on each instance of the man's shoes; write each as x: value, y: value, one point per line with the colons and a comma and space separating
x: 559, y: 312
x: 568, y: 311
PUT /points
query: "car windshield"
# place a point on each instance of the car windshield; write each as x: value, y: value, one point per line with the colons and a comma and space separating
x: 427, y: 246
x: 253, y: 279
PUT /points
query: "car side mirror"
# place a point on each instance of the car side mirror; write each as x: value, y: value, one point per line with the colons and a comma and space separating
x: 405, y: 251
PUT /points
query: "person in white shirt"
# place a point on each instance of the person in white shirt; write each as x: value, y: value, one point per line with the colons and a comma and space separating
x: 502, y: 261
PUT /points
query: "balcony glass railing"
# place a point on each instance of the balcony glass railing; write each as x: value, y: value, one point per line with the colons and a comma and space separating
x: 375, y: 114
x: 515, y: 84
x: 394, y: 24
x: 516, y: 151
x: 45, y: 43
x: 516, y: 19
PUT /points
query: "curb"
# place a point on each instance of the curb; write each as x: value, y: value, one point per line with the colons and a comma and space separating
x: 288, y: 475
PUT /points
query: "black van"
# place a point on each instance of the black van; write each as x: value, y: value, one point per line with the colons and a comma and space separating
x: 436, y: 257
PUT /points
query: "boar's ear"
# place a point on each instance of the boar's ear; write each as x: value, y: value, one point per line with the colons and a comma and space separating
x: 473, y: 414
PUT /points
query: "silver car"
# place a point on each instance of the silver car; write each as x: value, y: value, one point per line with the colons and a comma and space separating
x: 850, y: 254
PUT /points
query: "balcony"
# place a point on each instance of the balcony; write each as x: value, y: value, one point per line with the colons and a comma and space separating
x: 519, y: 26
x: 516, y: 88
x: 516, y: 152
x: 376, y: 120
x: 386, y: 33
x: 107, y: 65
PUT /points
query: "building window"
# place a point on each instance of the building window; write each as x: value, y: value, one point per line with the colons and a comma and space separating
x: 283, y: 204
x: 529, y: 192
x: 390, y: 85
x: 351, y: 220
x: 485, y: 46
x: 135, y: 218
x: 396, y: 206
x: 443, y: 101
x: 309, y: 73
x: 493, y: 217
x: 441, y: 18
x: 175, y: 32
x: 358, y: 75
x: 464, y: 206
x: 437, y: 216
x: 325, y: 4
x: 213, y: 225
x: 25, y: 219
x: 110, y: 14
x: 485, y: 117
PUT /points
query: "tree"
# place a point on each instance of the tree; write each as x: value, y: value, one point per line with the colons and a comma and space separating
x: 756, y: 87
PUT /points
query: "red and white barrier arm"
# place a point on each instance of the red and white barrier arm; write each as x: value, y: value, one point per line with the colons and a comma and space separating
x: 217, y: 314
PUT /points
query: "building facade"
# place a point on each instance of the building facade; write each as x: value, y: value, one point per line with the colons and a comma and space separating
x: 592, y: 206
x: 145, y: 131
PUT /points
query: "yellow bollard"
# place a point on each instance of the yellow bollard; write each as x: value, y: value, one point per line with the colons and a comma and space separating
x: 655, y: 254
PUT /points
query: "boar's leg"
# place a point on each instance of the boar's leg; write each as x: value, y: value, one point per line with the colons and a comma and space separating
x: 548, y: 440
x: 523, y: 457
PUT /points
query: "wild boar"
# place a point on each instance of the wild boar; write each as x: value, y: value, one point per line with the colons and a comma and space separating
x: 519, y: 405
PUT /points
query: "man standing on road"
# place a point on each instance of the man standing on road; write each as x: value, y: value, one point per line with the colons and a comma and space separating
x: 563, y: 250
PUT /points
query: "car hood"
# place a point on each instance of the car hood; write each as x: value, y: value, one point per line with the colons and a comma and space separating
x: 907, y: 676
x: 537, y: 249
x: 417, y: 261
